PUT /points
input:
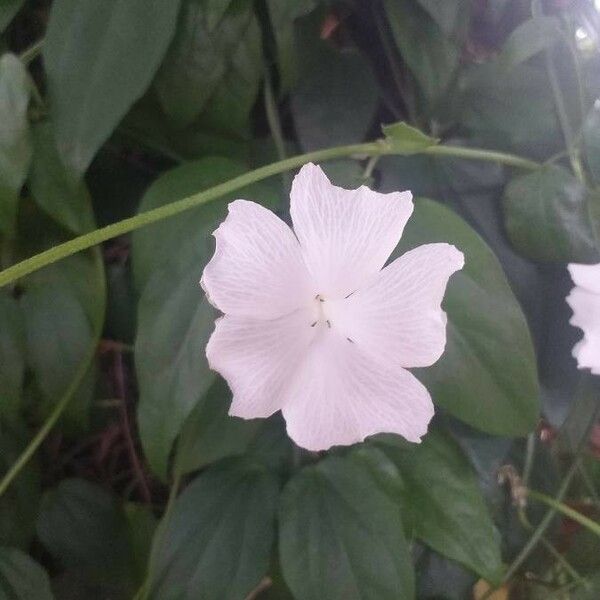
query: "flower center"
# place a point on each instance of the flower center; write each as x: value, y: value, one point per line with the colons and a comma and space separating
x: 320, y: 312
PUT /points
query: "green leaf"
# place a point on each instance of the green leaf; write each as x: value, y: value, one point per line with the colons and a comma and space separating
x: 283, y: 14
x: 174, y: 319
x: 431, y: 58
x: 8, y: 11
x: 487, y: 375
x: 19, y: 504
x: 452, y: 16
x: 62, y: 196
x: 21, y: 578
x: 64, y: 307
x: 83, y: 528
x: 448, y: 510
x: 335, y: 99
x: 141, y: 527
x: 528, y: 39
x: 15, y: 147
x: 210, y: 433
x: 204, y: 54
x: 341, y: 536
x: 591, y: 141
x: 560, y: 207
x: 12, y: 356
x: 217, y: 541
x: 405, y: 139
x: 100, y: 57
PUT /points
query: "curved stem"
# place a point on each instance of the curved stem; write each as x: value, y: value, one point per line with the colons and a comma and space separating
x: 377, y: 148
x: 32, y: 52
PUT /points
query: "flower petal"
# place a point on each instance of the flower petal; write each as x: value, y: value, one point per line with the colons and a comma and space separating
x: 586, y: 315
x: 257, y: 270
x: 398, y: 319
x: 346, y: 235
x: 339, y: 396
x: 258, y: 359
x: 586, y: 276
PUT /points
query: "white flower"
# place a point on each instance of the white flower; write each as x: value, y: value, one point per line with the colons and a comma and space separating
x: 584, y: 299
x: 314, y: 327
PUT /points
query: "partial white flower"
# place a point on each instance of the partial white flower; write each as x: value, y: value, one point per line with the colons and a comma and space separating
x: 584, y: 299
x: 314, y: 325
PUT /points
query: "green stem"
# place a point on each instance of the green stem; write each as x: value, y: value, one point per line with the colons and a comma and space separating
x: 32, y: 52
x: 566, y: 510
x: 377, y: 148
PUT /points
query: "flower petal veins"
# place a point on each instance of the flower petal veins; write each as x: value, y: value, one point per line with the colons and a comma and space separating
x: 315, y: 326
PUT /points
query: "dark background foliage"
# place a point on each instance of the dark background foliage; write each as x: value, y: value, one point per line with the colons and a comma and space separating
x: 145, y: 486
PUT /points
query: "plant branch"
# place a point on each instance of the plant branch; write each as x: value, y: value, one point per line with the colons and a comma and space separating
x: 377, y: 148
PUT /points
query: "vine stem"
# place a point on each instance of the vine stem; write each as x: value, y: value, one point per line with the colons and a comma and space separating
x: 566, y: 510
x: 376, y: 148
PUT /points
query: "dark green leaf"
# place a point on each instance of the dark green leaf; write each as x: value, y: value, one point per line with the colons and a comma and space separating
x: 100, y: 57
x: 19, y: 504
x: 210, y: 433
x: 341, y: 536
x: 62, y: 196
x: 83, y: 528
x: 15, y: 146
x: 8, y: 10
x: 217, y: 541
x: 12, y: 356
x: 591, y: 140
x: 64, y: 309
x: 560, y: 207
x: 450, y: 15
x: 283, y: 14
x: 405, y: 139
x: 448, y: 510
x: 335, y: 98
x: 174, y: 318
x: 21, y: 578
x: 141, y: 527
x: 204, y: 54
x: 528, y: 39
x: 430, y: 56
x: 487, y: 375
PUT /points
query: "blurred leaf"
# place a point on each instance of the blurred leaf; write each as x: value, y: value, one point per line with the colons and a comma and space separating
x: 174, y: 318
x: 528, y: 39
x: 217, y: 540
x: 141, y: 527
x: 64, y: 306
x: 487, y: 375
x: 591, y: 141
x: 8, y: 11
x: 19, y: 504
x: 12, y: 356
x: 100, y: 57
x: 452, y: 16
x: 334, y: 100
x: 203, y: 55
x: 342, y: 537
x: 15, y: 146
x: 431, y: 57
x: 405, y: 139
x: 283, y: 14
x: 61, y: 195
x: 447, y: 505
x: 83, y: 528
x: 21, y: 578
x: 560, y: 207
x: 210, y: 434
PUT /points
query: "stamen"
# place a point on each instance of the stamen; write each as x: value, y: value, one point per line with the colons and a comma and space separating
x: 328, y: 323
x: 314, y: 323
x: 350, y: 340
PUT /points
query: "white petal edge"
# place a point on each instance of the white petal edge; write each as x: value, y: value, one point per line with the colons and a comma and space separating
x: 257, y: 270
x: 340, y: 396
x: 258, y: 359
x: 586, y: 316
x: 398, y: 319
x: 346, y: 235
x: 586, y: 276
